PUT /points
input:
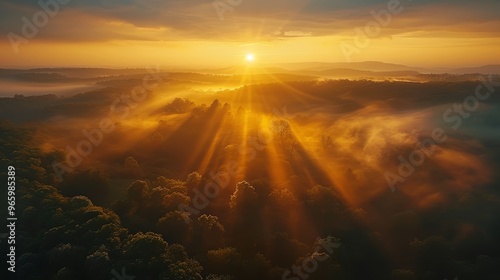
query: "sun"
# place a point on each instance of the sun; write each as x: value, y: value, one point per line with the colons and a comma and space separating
x: 250, y: 57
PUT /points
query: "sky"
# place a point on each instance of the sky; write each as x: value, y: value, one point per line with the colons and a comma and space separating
x: 220, y: 33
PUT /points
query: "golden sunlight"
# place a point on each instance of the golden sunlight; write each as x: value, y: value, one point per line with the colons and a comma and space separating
x: 246, y: 140
x: 250, y: 57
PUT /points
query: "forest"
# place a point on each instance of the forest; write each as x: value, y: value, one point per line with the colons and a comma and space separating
x: 197, y: 178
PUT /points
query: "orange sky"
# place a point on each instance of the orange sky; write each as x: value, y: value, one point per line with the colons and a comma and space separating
x: 112, y: 33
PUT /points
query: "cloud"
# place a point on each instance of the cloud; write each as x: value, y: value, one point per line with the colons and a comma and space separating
x: 197, y: 19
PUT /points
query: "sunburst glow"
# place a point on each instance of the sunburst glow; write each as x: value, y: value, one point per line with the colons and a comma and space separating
x: 228, y: 140
x: 250, y: 57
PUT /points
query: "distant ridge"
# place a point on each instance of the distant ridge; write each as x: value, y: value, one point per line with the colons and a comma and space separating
x: 486, y: 69
x: 377, y: 66
x: 341, y: 69
x: 374, y: 66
